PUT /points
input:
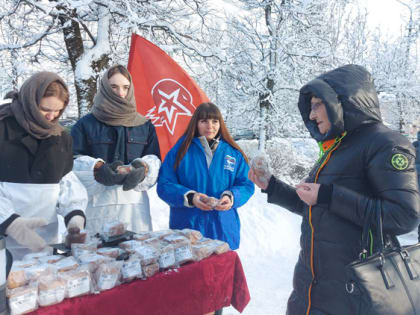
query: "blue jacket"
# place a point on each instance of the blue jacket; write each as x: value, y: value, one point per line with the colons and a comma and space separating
x: 228, y: 171
x: 111, y: 143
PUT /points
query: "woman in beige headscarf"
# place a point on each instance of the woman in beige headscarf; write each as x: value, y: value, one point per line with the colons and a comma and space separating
x: 112, y: 135
x: 36, y: 181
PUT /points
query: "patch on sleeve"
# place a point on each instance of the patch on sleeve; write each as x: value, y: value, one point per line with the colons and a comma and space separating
x: 399, y: 161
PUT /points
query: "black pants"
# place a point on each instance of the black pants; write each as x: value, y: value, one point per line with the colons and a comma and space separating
x: 219, y: 312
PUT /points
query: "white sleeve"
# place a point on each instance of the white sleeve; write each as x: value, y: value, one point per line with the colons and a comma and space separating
x: 83, y: 168
x: 73, y: 195
x: 6, y: 205
x: 153, y: 164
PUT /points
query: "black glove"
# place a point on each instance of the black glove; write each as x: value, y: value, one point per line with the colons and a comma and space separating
x: 136, y: 176
x: 107, y: 174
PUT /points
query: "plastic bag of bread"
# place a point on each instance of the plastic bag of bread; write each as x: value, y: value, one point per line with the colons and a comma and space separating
x: 220, y: 247
x: 148, y: 254
x: 50, y: 259
x: 130, y: 245
x: 74, y: 235
x: 150, y: 270
x: 93, y: 261
x: 66, y: 264
x: 202, y: 250
x: 79, y: 249
x: 210, y: 201
x: 183, y: 252
x: 23, y: 299
x: 261, y: 167
x: 155, y: 242
x: 162, y: 233
x: 175, y: 238
x: 16, y: 277
x: 167, y: 257
x: 131, y: 269
x: 51, y: 290
x: 112, y: 229
x: 141, y: 236
x: 77, y: 281
x: 109, y: 252
x: 107, y: 274
x: 193, y: 235
x: 36, y: 271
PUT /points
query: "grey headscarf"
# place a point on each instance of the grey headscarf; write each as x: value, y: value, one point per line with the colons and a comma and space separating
x: 113, y: 110
x: 25, y: 106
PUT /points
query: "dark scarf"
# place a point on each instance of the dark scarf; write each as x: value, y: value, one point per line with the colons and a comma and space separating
x: 113, y: 110
x: 25, y: 106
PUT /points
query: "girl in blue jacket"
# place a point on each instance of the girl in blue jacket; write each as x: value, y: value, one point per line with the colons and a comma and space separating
x: 206, y: 162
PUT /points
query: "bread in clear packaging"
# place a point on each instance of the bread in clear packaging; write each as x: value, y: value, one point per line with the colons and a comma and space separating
x: 193, y: 235
x: 167, y: 257
x: 23, y: 299
x: 150, y: 270
x: 107, y: 274
x: 51, y: 290
x: 78, y: 281
x: 131, y: 269
x: 183, y: 252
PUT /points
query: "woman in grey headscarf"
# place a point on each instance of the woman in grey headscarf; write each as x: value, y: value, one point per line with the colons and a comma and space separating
x: 112, y: 135
x: 36, y: 181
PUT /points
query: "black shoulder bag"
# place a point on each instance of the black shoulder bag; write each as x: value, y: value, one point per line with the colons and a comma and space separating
x: 387, y: 282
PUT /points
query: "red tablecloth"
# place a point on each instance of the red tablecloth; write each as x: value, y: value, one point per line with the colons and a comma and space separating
x: 192, y: 289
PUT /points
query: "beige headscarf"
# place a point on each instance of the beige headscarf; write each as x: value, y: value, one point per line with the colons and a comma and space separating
x: 113, y: 110
x: 25, y: 106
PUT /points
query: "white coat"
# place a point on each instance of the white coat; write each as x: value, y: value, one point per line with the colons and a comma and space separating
x: 43, y: 201
x: 112, y: 203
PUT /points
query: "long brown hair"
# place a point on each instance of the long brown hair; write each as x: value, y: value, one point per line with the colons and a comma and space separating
x: 119, y: 69
x: 205, y: 111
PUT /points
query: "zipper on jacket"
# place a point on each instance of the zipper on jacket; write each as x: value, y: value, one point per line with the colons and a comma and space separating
x: 327, y: 155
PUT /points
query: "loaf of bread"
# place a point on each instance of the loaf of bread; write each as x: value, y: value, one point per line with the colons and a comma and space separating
x: 23, y: 299
x: 109, y: 252
x: 202, y: 250
x: 141, y: 236
x: 16, y: 278
x: 150, y: 270
x: 51, y: 290
x: 210, y: 201
x: 107, y: 275
x: 111, y: 229
x: 148, y: 254
x: 50, y: 259
x: 130, y: 245
x: 193, y: 235
x: 77, y: 281
x: 167, y: 257
x: 183, y: 252
x: 66, y: 264
x: 131, y: 269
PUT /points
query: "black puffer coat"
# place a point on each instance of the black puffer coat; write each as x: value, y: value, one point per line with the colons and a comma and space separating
x: 362, y: 176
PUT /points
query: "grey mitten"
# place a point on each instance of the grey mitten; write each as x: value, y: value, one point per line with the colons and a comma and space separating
x: 136, y: 176
x: 108, y: 175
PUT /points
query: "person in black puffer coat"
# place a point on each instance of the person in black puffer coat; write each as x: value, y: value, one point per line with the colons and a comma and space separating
x: 364, y: 166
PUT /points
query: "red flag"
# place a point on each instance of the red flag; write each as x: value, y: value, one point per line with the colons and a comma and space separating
x: 164, y: 92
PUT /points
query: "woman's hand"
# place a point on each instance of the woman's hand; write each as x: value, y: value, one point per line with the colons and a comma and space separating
x: 224, y: 204
x: 198, y: 203
x: 308, y: 192
x: 256, y: 179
